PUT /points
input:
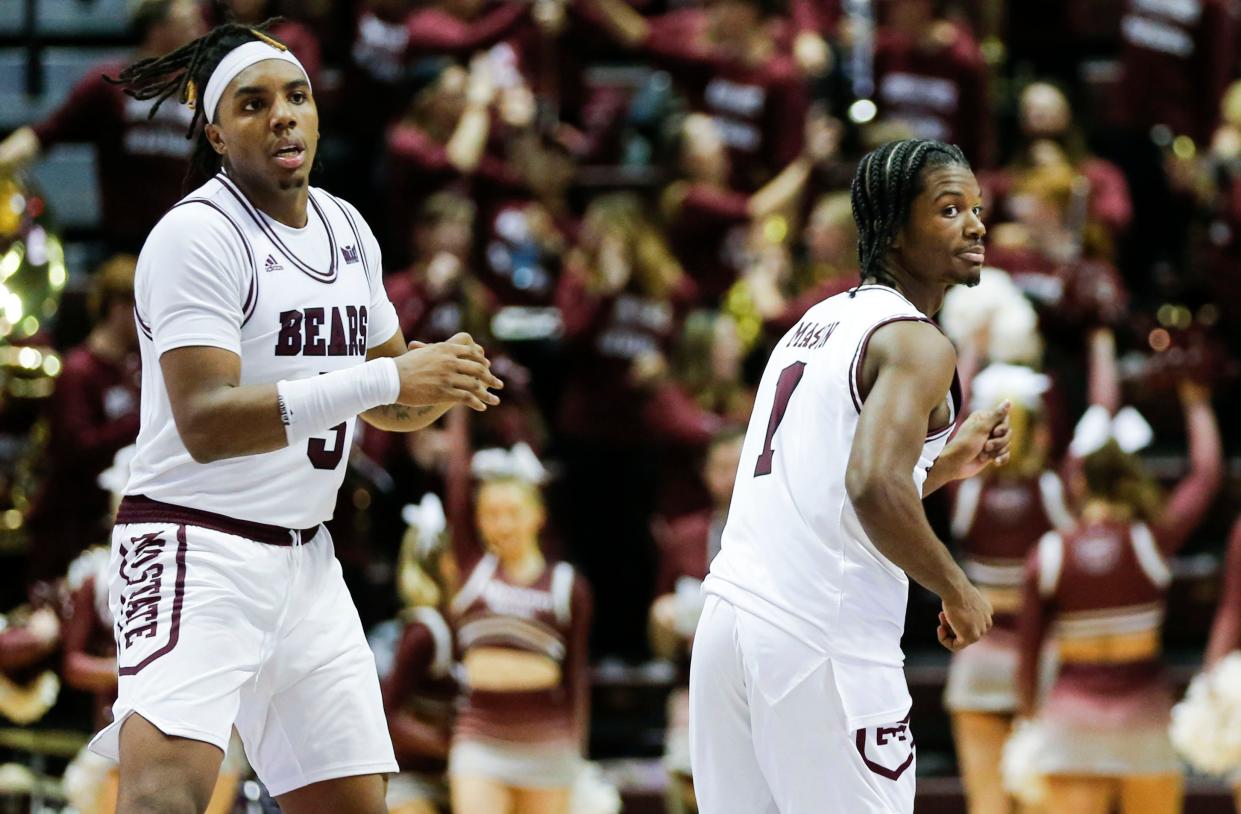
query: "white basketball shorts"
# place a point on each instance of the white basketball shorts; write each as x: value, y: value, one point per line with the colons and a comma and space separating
x: 768, y: 730
x: 215, y: 630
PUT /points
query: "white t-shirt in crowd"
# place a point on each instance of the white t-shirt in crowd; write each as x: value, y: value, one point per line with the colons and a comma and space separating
x: 291, y: 303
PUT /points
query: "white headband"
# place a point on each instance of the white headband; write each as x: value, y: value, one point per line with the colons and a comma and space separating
x: 1127, y: 428
x: 236, y: 61
x: 520, y: 463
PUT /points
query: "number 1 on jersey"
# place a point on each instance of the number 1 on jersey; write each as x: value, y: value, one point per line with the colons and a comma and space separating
x: 790, y: 377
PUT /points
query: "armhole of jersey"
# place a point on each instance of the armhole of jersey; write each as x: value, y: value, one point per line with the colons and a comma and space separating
x: 966, y: 507
x: 859, y: 356
x: 473, y: 586
x: 562, y: 592
x: 1050, y: 563
x: 251, y: 300
x: 433, y: 621
x: 1051, y: 491
x: 1150, y: 558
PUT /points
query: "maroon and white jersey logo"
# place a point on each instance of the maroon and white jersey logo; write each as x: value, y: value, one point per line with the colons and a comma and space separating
x: 148, y: 618
x: 1097, y: 554
x: 887, y: 751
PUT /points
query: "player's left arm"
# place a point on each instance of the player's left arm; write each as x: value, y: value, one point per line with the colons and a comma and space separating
x: 399, y: 417
x: 982, y: 439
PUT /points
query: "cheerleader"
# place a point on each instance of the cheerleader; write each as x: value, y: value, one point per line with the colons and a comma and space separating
x: 420, y: 691
x: 1098, y: 592
x: 997, y: 518
x: 521, y: 624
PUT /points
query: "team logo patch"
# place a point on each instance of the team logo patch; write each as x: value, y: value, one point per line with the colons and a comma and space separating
x: 271, y: 264
x: 148, y: 622
x: 350, y: 253
x: 887, y: 751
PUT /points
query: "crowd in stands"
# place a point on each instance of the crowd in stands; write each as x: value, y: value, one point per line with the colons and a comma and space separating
x: 628, y: 202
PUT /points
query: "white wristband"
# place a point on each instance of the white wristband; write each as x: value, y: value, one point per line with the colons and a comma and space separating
x: 310, y: 406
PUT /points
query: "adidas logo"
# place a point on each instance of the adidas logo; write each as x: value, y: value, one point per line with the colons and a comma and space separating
x: 271, y: 264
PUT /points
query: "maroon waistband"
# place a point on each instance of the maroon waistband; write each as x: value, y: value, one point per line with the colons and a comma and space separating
x: 142, y: 509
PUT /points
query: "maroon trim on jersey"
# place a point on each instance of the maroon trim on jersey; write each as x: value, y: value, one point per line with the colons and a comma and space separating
x: 884, y: 771
x: 174, y: 624
x: 859, y: 358
x: 142, y: 509
x: 324, y: 277
x: 247, y: 307
x: 143, y: 325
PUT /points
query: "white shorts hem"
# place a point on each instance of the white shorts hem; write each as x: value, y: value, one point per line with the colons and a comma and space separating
x: 107, y: 742
x: 277, y: 787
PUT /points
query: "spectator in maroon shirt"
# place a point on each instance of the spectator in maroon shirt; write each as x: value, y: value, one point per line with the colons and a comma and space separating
x: 621, y: 297
x: 442, y: 142
x: 438, y: 296
x: 528, y: 227
x: 1046, y: 119
x: 708, y: 222
x: 92, y: 413
x: 930, y: 75
x: 813, y: 21
x: 141, y: 162
x: 1178, y: 59
x: 461, y: 27
x: 1059, y: 260
x: 705, y: 391
x: 726, y: 58
x: 298, y: 36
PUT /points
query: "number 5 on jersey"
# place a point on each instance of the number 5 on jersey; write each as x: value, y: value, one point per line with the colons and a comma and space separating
x: 790, y: 377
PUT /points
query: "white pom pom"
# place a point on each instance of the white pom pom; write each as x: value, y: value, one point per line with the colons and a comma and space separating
x: 593, y: 793
x: 1019, y: 761
x: 1014, y: 336
x: 1206, y: 725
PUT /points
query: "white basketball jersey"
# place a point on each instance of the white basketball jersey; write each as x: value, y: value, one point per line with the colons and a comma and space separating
x: 794, y: 552
x: 292, y: 303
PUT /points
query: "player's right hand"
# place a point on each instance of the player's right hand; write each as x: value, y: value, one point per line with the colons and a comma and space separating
x: 452, y: 372
x: 965, y: 619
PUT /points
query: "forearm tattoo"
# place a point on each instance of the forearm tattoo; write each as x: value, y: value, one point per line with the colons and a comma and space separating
x: 400, y: 412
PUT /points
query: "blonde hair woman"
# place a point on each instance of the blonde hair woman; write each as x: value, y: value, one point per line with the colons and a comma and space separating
x: 521, y: 623
x: 1098, y: 591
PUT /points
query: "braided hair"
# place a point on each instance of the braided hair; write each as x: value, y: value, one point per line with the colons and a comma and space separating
x: 887, y: 181
x: 185, y: 72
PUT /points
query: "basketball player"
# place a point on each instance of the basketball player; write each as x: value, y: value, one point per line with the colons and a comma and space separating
x: 264, y: 330
x: 798, y: 701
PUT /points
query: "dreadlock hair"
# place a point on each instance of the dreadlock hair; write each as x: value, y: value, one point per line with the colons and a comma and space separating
x: 185, y: 72
x: 887, y: 181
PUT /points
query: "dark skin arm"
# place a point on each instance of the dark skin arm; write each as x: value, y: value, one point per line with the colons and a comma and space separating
x: 219, y: 418
x: 82, y: 670
x: 905, y: 379
x: 399, y: 417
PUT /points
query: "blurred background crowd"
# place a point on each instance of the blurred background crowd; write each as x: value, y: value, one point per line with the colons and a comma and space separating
x: 627, y: 202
